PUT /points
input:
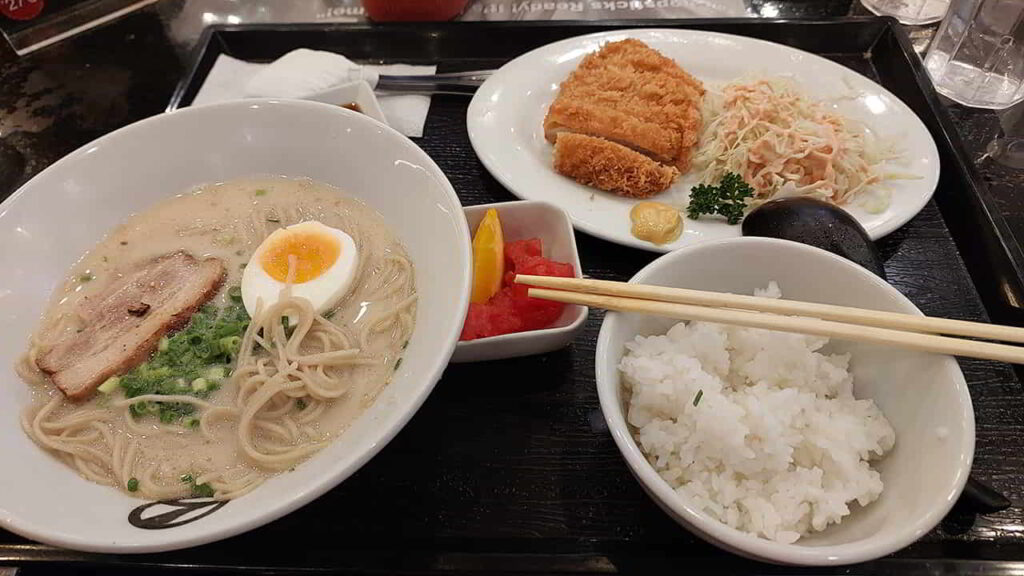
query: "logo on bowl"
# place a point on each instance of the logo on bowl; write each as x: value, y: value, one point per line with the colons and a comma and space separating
x: 172, y: 513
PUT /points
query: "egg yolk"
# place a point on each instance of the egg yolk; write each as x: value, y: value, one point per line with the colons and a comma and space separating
x: 314, y: 253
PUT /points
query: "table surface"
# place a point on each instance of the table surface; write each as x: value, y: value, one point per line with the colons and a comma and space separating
x: 63, y: 96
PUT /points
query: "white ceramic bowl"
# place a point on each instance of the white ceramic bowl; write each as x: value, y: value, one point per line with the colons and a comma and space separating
x: 519, y: 221
x: 919, y: 394
x: 58, y: 215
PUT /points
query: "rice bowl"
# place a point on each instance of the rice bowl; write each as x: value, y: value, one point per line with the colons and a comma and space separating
x: 937, y: 436
x: 759, y: 428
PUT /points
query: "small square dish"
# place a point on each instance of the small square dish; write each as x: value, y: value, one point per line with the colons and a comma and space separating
x: 520, y: 221
x: 357, y: 96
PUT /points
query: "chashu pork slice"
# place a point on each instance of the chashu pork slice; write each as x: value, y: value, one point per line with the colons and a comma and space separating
x: 609, y: 166
x: 124, y: 322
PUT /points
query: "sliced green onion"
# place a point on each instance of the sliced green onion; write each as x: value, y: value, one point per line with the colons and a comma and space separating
x: 235, y: 293
x: 193, y: 361
x: 186, y: 479
x: 204, y: 350
x: 300, y: 403
x: 216, y: 372
x: 109, y: 385
x: 230, y: 345
x: 160, y: 373
x: 700, y: 394
x: 133, y: 484
x: 259, y: 192
x: 87, y: 277
x: 202, y: 491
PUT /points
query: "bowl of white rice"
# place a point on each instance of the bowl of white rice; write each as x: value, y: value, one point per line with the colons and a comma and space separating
x: 781, y: 447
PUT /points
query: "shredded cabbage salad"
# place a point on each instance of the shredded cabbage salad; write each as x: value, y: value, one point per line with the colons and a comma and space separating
x: 784, y: 144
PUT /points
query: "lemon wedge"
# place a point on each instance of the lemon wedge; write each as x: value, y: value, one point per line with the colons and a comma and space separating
x: 488, y: 258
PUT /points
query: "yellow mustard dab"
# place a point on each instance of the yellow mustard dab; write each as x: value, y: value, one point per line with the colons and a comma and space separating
x: 656, y: 222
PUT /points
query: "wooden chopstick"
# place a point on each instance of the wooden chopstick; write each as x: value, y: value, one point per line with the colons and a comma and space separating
x: 798, y: 324
x: 864, y: 317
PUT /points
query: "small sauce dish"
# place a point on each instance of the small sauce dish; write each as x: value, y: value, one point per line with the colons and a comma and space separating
x: 357, y: 96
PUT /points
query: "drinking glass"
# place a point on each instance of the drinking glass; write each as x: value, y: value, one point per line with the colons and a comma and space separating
x: 977, y: 56
x: 1007, y: 147
x: 913, y: 12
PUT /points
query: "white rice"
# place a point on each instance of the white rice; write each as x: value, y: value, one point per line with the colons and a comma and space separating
x: 758, y: 428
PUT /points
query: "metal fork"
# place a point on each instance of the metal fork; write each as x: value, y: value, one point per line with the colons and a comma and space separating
x: 464, y: 83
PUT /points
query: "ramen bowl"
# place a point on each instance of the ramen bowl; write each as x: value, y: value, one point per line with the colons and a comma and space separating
x: 64, y: 211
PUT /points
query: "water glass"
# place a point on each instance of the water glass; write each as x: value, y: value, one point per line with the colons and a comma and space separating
x: 977, y: 56
x: 913, y: 12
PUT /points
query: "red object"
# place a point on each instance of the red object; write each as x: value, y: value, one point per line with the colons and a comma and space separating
x: 21, y: 9
x: 511, y: 310
x: 413, y: 10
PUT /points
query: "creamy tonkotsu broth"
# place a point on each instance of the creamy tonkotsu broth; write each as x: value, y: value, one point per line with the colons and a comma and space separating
x: 287, y: 391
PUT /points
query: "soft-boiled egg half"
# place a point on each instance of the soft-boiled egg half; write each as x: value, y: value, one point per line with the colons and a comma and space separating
x: 325, y: 261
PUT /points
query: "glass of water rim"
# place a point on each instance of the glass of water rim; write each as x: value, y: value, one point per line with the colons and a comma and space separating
x: 977, y: 56
x: 912, y: 12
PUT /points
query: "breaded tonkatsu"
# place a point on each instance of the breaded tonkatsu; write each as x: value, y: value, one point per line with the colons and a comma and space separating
x: 635, y: 101
x: 609, y: 166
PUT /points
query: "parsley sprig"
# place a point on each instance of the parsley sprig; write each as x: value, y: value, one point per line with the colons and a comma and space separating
x: 728, y: 198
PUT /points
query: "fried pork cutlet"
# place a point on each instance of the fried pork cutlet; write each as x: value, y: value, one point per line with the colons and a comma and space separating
x: 655, y: 98
x: 629, y: 95
x: 609, y: 166
x: 635, y: 54
x: 581, y: 117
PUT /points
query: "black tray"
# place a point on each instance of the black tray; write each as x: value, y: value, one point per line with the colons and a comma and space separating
x: 508, y: 466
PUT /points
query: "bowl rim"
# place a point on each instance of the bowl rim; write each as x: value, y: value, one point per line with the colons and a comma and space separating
x: 33, y: 530
x: 713, y: 530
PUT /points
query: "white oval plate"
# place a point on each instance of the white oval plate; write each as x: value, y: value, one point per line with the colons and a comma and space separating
x: 506, y: 115
x: 60, y: 214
